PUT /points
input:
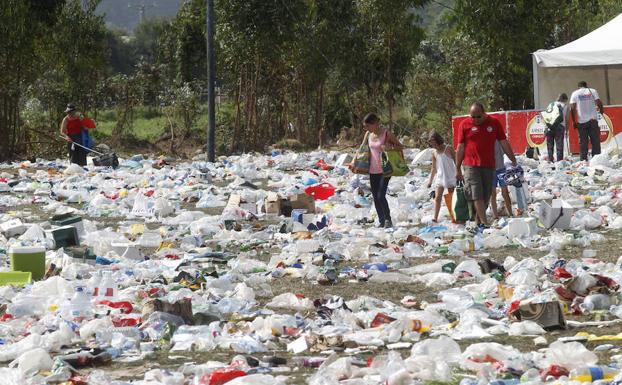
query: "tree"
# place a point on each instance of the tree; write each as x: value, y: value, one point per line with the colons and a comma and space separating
x: 23, y: 29
x: 498, y: 37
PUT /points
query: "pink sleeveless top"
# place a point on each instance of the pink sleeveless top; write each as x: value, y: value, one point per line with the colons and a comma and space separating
x: 375, y: 153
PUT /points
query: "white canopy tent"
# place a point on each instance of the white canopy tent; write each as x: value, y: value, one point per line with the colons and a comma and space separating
x: 595, y: 58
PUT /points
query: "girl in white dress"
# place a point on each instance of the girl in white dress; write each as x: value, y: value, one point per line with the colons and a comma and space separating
x: 443, y: 173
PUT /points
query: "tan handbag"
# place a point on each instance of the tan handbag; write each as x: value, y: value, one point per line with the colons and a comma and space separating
x: 360, y: 163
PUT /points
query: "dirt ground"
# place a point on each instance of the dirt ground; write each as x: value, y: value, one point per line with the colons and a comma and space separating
x: 608, y: 251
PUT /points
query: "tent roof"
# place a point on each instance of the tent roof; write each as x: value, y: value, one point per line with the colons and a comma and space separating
x: 603, y: 46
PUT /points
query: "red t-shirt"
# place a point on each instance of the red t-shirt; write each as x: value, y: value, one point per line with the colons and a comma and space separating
x: 74, y: 126
x: 479, y: 141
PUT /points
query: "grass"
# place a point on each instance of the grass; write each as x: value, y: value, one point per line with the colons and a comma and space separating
x: 149, y: 124
x: 148, y: 128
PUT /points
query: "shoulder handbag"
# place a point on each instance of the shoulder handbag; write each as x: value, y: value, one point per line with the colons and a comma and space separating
x: 360, y: 163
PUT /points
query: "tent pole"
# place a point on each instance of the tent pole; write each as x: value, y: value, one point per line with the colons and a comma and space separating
x: 536, y: 86
x: 607, y: 85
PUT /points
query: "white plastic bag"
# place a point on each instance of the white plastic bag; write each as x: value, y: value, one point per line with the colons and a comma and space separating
x: 31, y: 361
x: 290, y: 301
x: 570, y: 355
x: 143, y: 206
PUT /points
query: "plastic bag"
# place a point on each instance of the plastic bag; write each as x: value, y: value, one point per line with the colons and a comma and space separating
x: 143, y: 206
x: 525, y: 328
x: 31, y: 361
x: 394, y: 159
x: 570, y: 355
x: 459, y: 204
x: 290, y: 301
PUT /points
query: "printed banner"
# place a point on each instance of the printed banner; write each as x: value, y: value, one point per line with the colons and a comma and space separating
x: 526, y: 129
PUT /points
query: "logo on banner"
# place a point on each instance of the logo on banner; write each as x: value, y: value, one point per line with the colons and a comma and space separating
x: 605, y: 126
x: 536, y: 129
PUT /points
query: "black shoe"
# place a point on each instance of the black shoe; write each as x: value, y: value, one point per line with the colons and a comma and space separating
x: 388, y: 224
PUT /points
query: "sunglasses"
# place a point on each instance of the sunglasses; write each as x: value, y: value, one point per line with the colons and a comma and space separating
x: 476, y: 116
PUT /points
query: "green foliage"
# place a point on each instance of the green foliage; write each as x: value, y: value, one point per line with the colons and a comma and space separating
x: 499, y: 36
x: 289, y: 71
x: 180, y: 104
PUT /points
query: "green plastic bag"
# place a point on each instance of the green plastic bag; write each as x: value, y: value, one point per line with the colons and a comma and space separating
x: 393, y: 163
x: 459, y: 204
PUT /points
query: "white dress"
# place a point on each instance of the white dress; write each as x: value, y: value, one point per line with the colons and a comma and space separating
x: 445, y: 170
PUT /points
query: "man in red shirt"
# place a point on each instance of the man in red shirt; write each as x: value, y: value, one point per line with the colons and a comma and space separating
x: 476, y: 151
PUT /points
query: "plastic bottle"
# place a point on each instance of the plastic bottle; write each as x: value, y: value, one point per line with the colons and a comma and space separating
x: 79, y: 307
x: 593, y: 373
x: 107, y: 287
x: 105, y: 335
x: 94, y: 283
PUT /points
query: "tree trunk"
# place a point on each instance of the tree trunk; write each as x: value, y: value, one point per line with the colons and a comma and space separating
x: 236, y: 124
x: 247, y: 109
x: 254, y: 120
x: 319, y: 116
x: 299, y: 99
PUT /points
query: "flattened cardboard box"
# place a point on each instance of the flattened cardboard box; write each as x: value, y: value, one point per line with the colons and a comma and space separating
x: 549, y: 315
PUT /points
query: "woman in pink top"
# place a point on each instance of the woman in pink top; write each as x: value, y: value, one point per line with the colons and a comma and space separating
x: 380, y: 139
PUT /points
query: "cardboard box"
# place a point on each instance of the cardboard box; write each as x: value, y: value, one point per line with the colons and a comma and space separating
x: 273, y: 204
x: 234, y: 200
x: 549, y: 315
x: 302, y: 201
x: 13, y: 227
x: 557, y: 215
x: 297, y: 202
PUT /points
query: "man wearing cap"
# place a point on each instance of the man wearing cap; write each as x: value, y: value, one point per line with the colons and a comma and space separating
x: 71, y: 130
x: 476, y: 152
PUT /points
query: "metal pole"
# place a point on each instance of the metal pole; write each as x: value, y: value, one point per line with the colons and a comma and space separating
x: 211, y: 79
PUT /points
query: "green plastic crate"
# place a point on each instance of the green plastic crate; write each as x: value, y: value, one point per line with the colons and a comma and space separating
x: 66, y: 221
x: 15, y: 278
x: 64, y: 236
x: 28, y: 259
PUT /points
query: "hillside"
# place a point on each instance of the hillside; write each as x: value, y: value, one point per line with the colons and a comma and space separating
x: 125, y: 14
